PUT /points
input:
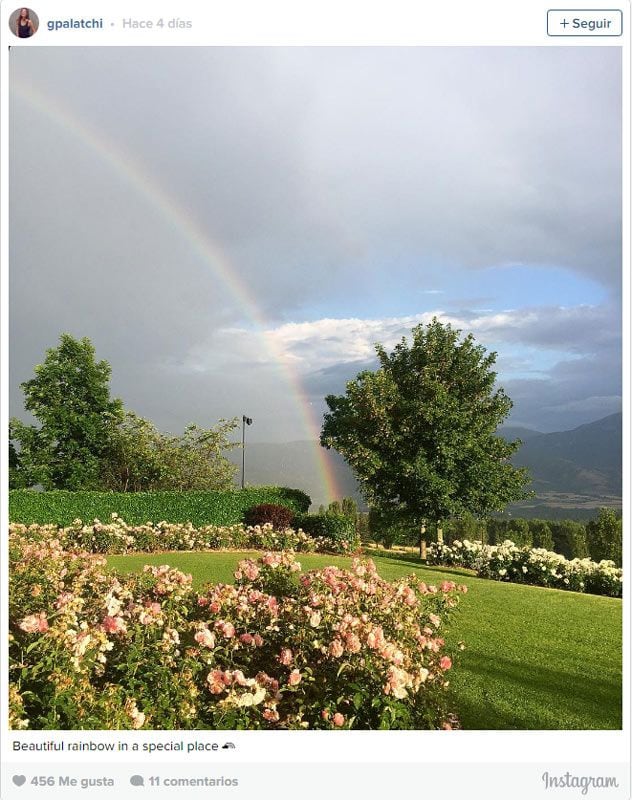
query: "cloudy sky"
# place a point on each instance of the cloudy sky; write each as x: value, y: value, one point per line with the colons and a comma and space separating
x: 235, y: 228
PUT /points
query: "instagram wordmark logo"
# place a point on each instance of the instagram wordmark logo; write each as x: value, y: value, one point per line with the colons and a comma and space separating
x: 583, y: 782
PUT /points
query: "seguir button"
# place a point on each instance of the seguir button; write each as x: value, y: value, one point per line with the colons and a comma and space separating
x: 584, y: 22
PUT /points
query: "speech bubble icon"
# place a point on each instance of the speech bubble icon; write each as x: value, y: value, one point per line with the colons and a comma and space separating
x: 137, y: 780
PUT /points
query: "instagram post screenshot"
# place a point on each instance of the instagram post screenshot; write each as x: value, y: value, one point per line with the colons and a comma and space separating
x: 315, y: 367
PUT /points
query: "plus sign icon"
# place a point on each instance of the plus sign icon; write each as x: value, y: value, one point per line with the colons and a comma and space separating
x: 584, y: 22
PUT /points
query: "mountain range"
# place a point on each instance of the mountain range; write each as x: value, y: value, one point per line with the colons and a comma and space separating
x: 578, y: 469
x: 585, y: 460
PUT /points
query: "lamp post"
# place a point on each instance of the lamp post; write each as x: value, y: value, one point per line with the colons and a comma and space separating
x: 244, y: 421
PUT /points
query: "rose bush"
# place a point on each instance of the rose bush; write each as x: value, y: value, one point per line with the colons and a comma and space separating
x: 460, y: 554
x: 117, y: 537
x: 326, y: 649
x: 536, y: 566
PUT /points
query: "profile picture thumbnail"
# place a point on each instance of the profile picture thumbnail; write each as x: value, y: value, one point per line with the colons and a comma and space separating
x: 24, y: 23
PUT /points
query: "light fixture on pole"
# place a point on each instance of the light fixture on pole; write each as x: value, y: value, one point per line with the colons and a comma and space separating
x: 244, y: 421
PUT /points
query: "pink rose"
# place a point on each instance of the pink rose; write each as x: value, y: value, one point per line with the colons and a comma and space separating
x: 63, y: 599
x: 34, y: 623
x: 336, y: 649
x: 217, y: 681
x: 226, y: 628
x: 295, y: 678
x: 338, y: 719
x: 114, y: 625
x: 286, y: 657
x: 250, y: 570
x: 445, y: 663
x: 239, y: 678
x: 205, y: 638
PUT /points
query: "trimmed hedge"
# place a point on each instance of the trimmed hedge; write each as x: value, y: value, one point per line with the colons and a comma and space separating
x: 199, y: 508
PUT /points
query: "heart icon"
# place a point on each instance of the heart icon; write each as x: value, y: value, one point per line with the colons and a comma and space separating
x: 18, y: 780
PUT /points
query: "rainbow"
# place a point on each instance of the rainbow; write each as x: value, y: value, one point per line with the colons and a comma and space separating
x: 208, y: 251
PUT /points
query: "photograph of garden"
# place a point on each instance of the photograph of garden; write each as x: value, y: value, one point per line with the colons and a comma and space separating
x: 315, y: 390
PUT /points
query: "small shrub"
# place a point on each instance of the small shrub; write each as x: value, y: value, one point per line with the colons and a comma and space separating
x: 336, y: 528
x: 459, y: 554
x: 280, y: 517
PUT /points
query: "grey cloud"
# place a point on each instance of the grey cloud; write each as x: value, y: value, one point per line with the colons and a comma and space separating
x: 578, y: 329
x: 573, y: 392
x: 311, y: 172
x: 300, y: 159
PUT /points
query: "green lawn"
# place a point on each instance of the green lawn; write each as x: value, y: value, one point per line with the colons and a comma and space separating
x: 535, y: 658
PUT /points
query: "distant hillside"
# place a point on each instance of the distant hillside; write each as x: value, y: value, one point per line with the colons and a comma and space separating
x: 516, y: 432
x: 577, y: 469
x: 585, y: 460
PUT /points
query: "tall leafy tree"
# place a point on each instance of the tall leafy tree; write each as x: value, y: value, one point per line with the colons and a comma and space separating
x: 194, y: 460
x: 132, y: 461
x: 70, y: 398
x: 420, y: 431
x: 141, y: 458
x: 605, y: 536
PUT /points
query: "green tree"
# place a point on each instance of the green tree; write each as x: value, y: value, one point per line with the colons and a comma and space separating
x: 141, y: 458
x: 569, y: 537
x: 605, y: 536
x: 70, y: 398
x: 195, y: 459
x: 389, y: 527
x: 349, y: 507
x: 419, y: 432
x: 496, y: 530
x: 17, y: 476
x: 464, y: 527
x: 541, y: 533
x: 362, y: 526
x: 132, y: 461
x: 519, y: 533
